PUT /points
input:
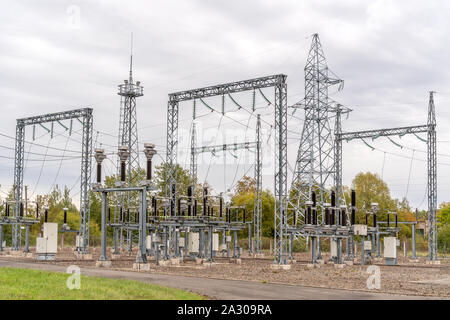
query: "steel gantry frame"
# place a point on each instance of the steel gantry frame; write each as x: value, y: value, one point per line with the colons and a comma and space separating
x: 86, y: 119
x: 280, y: 127
x: 430, y: 129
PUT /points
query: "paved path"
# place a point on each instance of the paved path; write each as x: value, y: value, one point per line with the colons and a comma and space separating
x: 218, y: 288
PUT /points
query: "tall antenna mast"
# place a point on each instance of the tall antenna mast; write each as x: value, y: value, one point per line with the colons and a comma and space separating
x: 131, y: 59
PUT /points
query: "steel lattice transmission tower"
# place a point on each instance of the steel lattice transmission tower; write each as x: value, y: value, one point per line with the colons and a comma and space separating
x: 432, y: 180
x: 128, y: 133
x: 314, y: 167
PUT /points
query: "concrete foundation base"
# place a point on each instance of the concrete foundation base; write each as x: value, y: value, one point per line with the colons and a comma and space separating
x: 209, y: 264
x: 377, y: 260
x: 236, y: 260
x: 83, y: 256
x: 280, y: 267
x: 414, y: 260
x: 349, y: 263
x: 293, y: 261
x: 433, y: 262
x: 259, y: 255
x: 339, y: 266
x: 320, y: 261
x: 164, y: 263
x: 313, y: 265
x: 199, y: 260
x: 141, y: 266
x: 331, y: 262
x: 103, y: 264
x: 115, y: 256
x: 175, y: 261
x: 16, y: 253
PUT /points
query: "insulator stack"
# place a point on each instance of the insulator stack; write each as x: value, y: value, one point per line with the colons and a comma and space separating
x: 353, y: 208
x: 343, y: 216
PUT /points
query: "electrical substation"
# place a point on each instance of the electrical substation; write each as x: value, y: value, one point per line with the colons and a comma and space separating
x: 194, y: 225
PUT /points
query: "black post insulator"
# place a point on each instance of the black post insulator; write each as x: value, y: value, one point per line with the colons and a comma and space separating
x: 99, y: 173
x: 314, y: 216
x: 396, y: 220
x: 65, y: 216
x: 147, y: 216
x: 343, y: 217
x: 204, y: 206
x: 122, y: 171
x: 121, y: 214
x: 189, y: 200
x: 353, y: 198
x: 367, y: 219
x: 195, y: 207
x: 333, y: 199
x: 37, y: 210
x: 243, y: 214
x: 172, y: 208
x: 388, y: 222
x: 128, y: 215
x: 353, y: 217
x: 155, y: 208
x: 7, y: 210
x: 21, y: 209
x: 327, y: 216
x: 313, y: 198
x: 220, y: 207
x: 46, y: 215
x: 109, y: 214
x: 374, y: 220
x: 209, y: 211
x: 179, y: 207
x: 308, y: 215
x: 149, y: 170
x: 205, y: 191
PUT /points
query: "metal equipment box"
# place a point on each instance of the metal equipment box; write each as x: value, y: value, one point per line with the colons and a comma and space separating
x: 41, y: 245
x: 215, y: 242
x: 333, y: 247
x: 360, y: 229
x: 181, y: 242
x: 390, y: 247
x: 149, y: 242
x: 51, y: 235
x: 367, y: 245
x: 156, y: 238
x: 193, y: 242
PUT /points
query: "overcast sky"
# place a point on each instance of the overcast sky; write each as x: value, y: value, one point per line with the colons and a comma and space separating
x: 60, y: 55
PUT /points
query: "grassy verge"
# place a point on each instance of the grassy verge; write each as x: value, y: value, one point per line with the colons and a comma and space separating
x: 26, y: 284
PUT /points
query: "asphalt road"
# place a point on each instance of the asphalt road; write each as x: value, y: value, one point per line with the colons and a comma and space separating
x: 221, y: 289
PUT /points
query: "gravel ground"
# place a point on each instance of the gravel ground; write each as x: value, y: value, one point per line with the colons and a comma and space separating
x: 407, y: 278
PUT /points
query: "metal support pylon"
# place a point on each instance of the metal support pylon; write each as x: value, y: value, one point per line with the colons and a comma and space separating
x: 315, y: 164
x: 257, y: 207
x: 432, y: 180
